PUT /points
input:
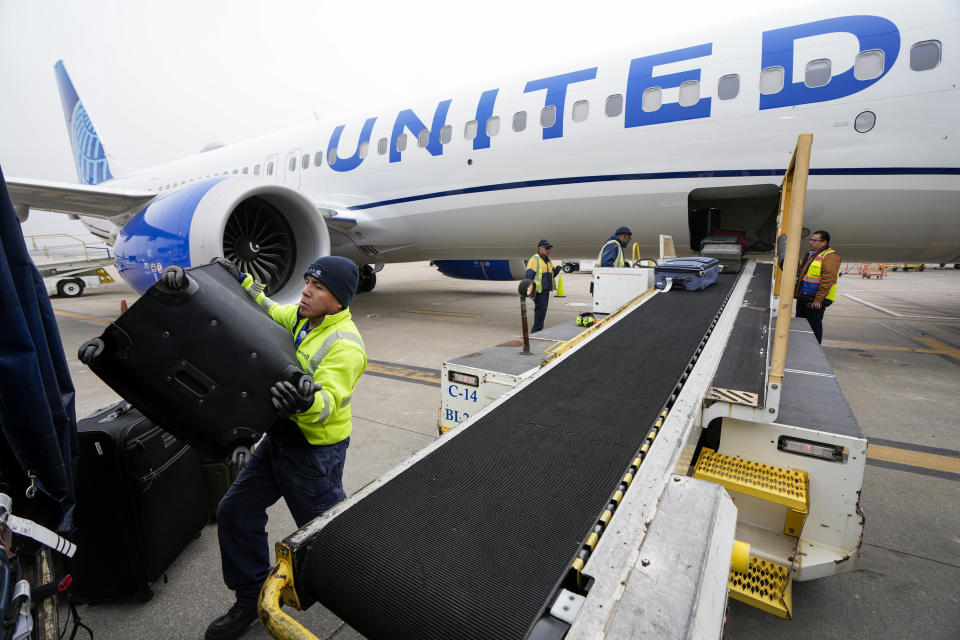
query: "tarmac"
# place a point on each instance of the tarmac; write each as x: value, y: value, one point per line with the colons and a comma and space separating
x: 894, y: 345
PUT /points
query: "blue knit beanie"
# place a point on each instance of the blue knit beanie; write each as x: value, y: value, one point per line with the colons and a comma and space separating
x: 337, y: 274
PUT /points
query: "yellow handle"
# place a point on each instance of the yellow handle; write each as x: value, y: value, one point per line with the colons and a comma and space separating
x: 277, y: 622
x: 635, y: 253
x: 740, y: 560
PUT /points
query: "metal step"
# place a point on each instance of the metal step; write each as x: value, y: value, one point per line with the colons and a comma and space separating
x: 787, y: 487
x: 766, y: 586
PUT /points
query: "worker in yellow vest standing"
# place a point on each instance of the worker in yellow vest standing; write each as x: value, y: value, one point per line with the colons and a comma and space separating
x: 542, y: 272
x: 817, y: 281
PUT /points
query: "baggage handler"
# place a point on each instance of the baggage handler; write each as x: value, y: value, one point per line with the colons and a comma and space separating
x: 302, y: 456
x: 817, y: 281
x: 542, y: 272
x: 611, y: 253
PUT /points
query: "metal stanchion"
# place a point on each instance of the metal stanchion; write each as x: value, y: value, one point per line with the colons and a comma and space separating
x: 526, y: 290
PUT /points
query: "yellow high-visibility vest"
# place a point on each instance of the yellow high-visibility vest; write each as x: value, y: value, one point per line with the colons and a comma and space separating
x: 811, y: 279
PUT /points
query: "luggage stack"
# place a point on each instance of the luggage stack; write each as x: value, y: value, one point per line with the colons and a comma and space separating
x: 689, y: 274
x: 140, y: 501
x: 728, y: 250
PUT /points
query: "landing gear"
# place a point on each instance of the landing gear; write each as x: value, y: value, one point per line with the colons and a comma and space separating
x: 368, y: 279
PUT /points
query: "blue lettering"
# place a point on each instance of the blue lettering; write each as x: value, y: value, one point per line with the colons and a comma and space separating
x: 873, y: 32
x: 556, y: 87
x: 407, y: 118
x: 346, y: 164
x: 484, y: 111
x: 641, y: 78
x: 449, y: 414
x: 453, y: 391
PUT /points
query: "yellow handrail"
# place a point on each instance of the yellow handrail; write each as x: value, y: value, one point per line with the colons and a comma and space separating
x: 272, y: 616
x: 792, y: 199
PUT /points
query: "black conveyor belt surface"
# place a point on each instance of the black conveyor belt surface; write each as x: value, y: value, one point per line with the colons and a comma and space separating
x: 473, y: 539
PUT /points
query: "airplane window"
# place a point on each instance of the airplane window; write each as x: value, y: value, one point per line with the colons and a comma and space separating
x: 689, y: 93
x: 614, y: 105
x: 771, y: 80
x: 581, y: 109
x: 446, y: 134
x: 728, y: 87
x: 332, y: 156
x: 362, y: 149
x: 651, y: 99
x: 868, y: 65
x: 470, y: 130
x: 401, y: 142
x: 548, y: 117
x: 818, y: 73
x: 865, y: 121
x: 246, y: 170
x: 269, y: 168
x: 925, y: 55
x: 423, y: 138
x: 305, y: 161
x: 318, y: 158
x: 256, y: 170
x: 293, y: 163
x: 382, y: 146
x: 520, y: 121
x: 493, y: 125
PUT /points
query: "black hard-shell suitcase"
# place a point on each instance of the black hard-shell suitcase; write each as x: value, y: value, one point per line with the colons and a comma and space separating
x: 218, y: 475
x: 140, y: 501
x: 692, y: 274
x: 199, y: 361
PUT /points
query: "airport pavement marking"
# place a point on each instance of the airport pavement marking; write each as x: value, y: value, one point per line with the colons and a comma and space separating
x: 82, y: 316
x: 894, y: 313
x: 934, y: 347
x: 914, y: 458
x: 441, y: 313
x: 404, y: 372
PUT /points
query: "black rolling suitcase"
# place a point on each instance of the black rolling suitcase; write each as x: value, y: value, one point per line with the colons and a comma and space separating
x: 199, y: 361
x: 140, y: 500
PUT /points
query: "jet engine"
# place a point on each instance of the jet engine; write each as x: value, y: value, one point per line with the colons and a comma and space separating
x: 268, y: 230
x: 482, y: 269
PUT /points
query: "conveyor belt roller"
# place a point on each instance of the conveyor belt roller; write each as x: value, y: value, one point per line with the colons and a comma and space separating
x: 473, y: 539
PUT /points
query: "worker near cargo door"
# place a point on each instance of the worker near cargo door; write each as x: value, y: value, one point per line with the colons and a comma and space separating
x: 302, y: 456
x: 542, y: 272
x: 817, y: 281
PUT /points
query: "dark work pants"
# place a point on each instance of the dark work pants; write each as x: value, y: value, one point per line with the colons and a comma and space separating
x: 540, y: 302
x: 813, y: 316
x: 308, y: 478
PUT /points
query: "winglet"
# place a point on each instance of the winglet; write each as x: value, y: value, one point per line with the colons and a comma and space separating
x: 88, y: 154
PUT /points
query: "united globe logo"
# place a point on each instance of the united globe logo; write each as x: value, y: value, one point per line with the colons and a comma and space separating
x: 89, y: 156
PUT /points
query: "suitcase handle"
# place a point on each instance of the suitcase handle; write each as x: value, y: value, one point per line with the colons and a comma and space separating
x: 190, y: 381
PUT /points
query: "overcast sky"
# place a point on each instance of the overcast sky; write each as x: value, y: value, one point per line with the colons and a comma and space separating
x: 160, y: 79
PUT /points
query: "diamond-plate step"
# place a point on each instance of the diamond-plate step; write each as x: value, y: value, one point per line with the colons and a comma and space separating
x: 766, y: 585
x: 789, y: 487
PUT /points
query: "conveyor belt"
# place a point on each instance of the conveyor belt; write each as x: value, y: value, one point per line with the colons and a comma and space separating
x: 474, y: 539
x: 741, y: 375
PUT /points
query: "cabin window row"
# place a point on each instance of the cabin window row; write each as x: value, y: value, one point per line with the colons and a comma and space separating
x: 868, y: 65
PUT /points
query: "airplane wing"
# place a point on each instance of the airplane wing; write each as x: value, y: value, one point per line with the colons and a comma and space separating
x: 112, y: 203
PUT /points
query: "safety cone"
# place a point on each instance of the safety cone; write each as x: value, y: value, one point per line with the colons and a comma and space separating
x: 560, y: 293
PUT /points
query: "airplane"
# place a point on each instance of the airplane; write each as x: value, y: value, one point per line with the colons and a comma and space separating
x: 680, y: 138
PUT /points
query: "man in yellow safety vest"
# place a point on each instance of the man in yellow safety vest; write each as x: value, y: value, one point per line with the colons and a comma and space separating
x: 817, y: 281
x: 542, y: 272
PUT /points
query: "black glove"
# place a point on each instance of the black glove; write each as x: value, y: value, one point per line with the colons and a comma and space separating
x: 90, y: 350
x: 557, y: 270
x: 289, y: 399
x: 174, y: 278
x: 229, y: 266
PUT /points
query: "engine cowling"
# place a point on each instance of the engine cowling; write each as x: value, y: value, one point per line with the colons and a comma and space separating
x: 271, y: 231
x: 482, y: 269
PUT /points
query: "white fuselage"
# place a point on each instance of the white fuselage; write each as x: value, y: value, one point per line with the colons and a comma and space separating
x: 888, y: 193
